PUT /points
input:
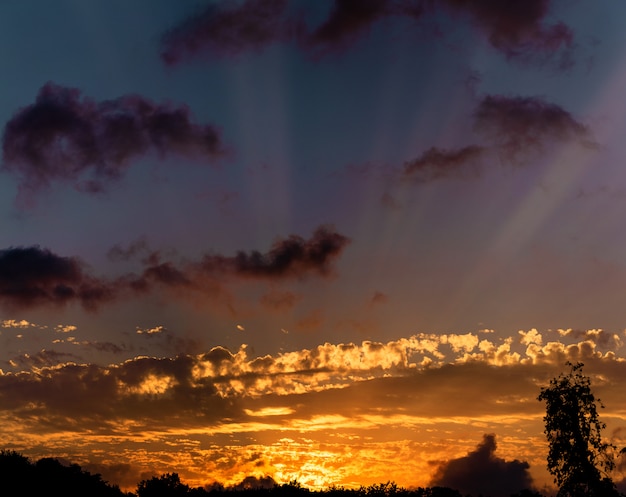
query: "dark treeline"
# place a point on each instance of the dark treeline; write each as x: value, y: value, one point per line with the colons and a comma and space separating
x: 20, y: 477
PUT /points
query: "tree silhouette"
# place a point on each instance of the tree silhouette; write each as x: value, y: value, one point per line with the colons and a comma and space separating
x: 577, y: 458
x: 21, y: 478
x: 16, y: 474
x: 166, y: 485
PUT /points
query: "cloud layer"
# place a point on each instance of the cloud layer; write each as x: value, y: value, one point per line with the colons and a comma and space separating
x: 374, y: 399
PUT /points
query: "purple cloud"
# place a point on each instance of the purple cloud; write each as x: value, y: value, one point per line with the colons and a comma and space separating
x: 227, y: 30
x: 518, y: 125
x: 348, y: 20
x: 515, y: 129
x: 517, y: 28
x: 289, y: 257
x: 118, y: 253
x: 32, y: 276
x: 435, y: 163
x: 66, y: 137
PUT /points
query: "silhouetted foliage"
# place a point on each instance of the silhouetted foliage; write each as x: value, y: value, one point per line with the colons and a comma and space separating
x: 21, y: 478
x: 389, y: 489
x: 577, y: 458
x: 48, y: 477
x: 16, y: 473
x: 291, y: 489
x: 437, y: 492
x: 166, y: 485
x: 527, y: 493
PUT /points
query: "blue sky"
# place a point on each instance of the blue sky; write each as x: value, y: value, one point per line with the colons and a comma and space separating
x: 303, y: 175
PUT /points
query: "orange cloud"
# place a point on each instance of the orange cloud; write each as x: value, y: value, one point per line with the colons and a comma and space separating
x: 357, y: 404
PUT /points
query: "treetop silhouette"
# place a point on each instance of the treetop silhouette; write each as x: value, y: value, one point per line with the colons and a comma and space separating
x: 578, y: 458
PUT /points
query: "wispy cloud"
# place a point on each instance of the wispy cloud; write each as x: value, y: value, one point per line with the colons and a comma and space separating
x: 513, y: 129
x: 150, y: 331
x: 279, y: 301
x: 43, y: 358
x: 379, y: 298
x: 520, y: 126
x: 118, y: 253
x: 67, y: 328
x: 13, y: 323
x: 436, y: 163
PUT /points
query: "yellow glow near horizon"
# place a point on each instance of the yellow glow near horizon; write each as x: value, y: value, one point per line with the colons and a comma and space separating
x: 336, y: 414
x: 270, y: 411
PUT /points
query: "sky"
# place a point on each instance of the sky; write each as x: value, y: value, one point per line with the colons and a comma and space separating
x: 341, y: 242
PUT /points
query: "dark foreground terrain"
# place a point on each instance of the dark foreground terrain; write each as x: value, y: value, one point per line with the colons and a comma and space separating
x: 19, y: 477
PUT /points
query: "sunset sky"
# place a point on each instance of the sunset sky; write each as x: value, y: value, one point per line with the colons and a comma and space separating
x: 337, y: 241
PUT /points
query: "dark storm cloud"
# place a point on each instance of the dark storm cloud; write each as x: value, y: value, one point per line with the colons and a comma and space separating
x: 518, y: 125
x: 347, y: 21
x: 228, y: 29
x: 290, y: 257
x: 32, y: 276
x: 67, y: 137
x: 482, y: 473
x: 517, y: 28
x: 436, y: 163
